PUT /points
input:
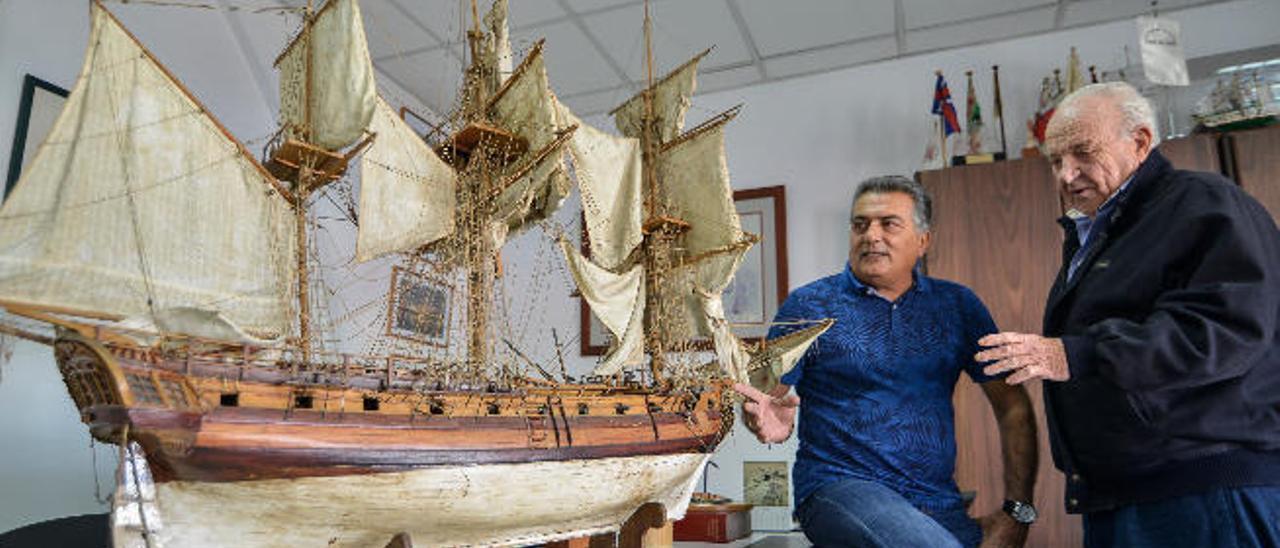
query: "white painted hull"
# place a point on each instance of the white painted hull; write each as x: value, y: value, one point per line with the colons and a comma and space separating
x: 487, y: 505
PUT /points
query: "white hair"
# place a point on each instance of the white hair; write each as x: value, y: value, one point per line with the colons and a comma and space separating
x: 1135, y: 108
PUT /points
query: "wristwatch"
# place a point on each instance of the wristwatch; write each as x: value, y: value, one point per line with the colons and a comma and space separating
x: 1021, y: 512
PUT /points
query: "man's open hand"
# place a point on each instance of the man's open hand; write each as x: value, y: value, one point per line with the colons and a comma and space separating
x: 770, y: 419
x: 1027, y: 356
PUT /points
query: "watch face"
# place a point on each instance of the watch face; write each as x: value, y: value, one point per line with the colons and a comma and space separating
x: 1020, y: 512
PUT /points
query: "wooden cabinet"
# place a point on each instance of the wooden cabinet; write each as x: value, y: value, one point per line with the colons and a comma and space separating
x: 994, y: 231
x: 1196, y: 153
x: 1255, y: 164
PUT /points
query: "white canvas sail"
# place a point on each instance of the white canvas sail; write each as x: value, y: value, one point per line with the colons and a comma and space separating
x: 342, y: 88
x: 406, y: 190
x: 139, y: 202
x: 672, y: 96
x: 777, y: 357
x: 695, y: 188
x: 696, y: 287
x: 607, y: 169
x: 536, y: 184
x: 617, y: 300
x: 497, y: 48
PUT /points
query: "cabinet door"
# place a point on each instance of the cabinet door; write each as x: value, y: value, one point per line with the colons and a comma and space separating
x: 1195, y: 152
x: 1256, y: 155
x: 995, y: 232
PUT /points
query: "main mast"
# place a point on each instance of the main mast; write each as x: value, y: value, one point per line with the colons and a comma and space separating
x: 660, y: 229
x: 300, y: 193
x: 479, y: 258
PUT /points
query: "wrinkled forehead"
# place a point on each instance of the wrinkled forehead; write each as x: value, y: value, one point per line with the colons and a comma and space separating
x: 1088, y: 121
x: 878, y: 205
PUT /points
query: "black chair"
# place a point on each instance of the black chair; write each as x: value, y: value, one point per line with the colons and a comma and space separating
x: 87, y: 531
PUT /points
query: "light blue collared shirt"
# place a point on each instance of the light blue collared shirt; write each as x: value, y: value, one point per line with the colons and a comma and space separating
x: 1087, y: 226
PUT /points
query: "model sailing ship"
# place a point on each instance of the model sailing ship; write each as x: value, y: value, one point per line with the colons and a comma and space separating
x: 173, y: 274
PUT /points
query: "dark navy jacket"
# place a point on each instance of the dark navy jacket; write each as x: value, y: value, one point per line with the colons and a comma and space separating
x: 1173, y: 340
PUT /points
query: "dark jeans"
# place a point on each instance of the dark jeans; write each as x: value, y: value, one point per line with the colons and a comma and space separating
x: 866, y: 514
x: 1224, y: 518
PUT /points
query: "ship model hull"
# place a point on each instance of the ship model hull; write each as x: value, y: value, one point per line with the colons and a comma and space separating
x: 299, y: 460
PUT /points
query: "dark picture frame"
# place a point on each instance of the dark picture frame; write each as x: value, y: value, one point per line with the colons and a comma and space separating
x: 755, y: 292
x: 419, y: 308
x: 38, y: 108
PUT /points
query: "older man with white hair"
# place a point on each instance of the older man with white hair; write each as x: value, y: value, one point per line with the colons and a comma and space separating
x: 1161, y: 342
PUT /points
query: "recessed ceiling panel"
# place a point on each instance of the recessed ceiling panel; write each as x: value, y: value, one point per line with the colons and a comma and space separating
x: 782, y: 27
x: 391, y: 33
x: 597, y: 102
x: 716, y: 80
x: 584, y: 6
x: 448, y: 20
x: 681, y: 29
x: 1083, y: 12
x: 524, y: 13
x: 927, y: 13
x: 982, y: 30
x: 574, y: 65
x: 831, y: 58
x: 433, y: 76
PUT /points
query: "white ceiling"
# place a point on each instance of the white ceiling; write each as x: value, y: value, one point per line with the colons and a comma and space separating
x: 595, y: 48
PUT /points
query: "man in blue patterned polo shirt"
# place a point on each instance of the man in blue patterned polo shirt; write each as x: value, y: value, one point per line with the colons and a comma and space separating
x: 877, y: 449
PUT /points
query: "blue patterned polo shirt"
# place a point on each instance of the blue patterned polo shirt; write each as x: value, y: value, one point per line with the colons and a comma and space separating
x: 875, y: 390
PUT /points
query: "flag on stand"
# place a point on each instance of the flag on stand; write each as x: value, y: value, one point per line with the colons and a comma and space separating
x: 942, y: 106
x: 974, y: 113
x: 1075, y: 80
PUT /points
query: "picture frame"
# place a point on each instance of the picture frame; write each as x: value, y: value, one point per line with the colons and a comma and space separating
x: 38, y: 108
x: 757, y: 290
x: 419, y: 308
x: 766, y: 483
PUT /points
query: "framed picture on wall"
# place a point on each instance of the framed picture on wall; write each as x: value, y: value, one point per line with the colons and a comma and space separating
x: 758, y: 288
x: 765, y: 483
x: 38, y: 108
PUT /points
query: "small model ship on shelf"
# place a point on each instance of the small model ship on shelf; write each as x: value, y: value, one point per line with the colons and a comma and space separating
x: 178, y: 281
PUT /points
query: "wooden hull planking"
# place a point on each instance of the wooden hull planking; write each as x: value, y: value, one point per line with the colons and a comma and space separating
x: 241, y: 458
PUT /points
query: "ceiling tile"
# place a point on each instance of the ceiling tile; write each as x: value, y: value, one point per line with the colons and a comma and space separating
x: 681, y: 29
x: 584, y: 6
x: 390, y: 33
x: 927, y: 13
x: 445, y: 19
x: 716, y: 80
x: 831, y: 58
x: 596, y: 102
x: 573, y: 63
x: 524, y: 13
x: 983, y: 30
x: 433, y: 76
x: 1083, y: 12
x: 781, y: 27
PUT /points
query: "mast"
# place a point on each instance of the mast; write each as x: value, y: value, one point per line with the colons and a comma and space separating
x: 301, y: 194
x: 478, y: 258
x: 658, y: 242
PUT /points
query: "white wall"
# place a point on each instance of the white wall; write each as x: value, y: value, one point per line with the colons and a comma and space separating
x: 818, y: 135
